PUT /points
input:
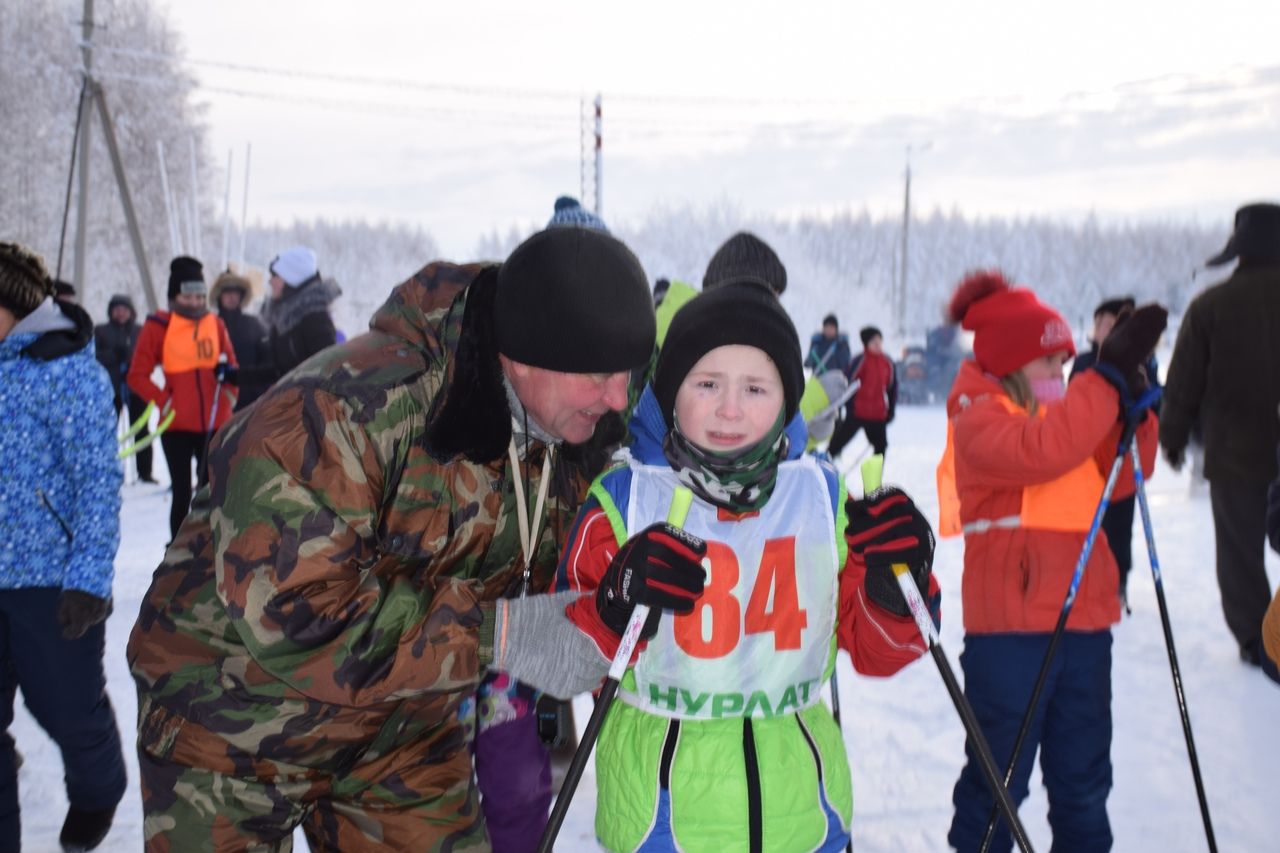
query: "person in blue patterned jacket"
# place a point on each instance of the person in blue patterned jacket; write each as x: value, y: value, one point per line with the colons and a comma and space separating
x: 59, y: 530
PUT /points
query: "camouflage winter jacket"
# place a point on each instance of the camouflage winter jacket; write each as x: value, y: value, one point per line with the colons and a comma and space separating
x: 321, y: 604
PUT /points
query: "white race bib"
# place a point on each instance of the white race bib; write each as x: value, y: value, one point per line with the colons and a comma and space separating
x: 759, y: 639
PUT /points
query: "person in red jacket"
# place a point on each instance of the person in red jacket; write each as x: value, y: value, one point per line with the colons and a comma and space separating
x: 872, y: 406
x: 193, y: 348
x: 1019, y: 478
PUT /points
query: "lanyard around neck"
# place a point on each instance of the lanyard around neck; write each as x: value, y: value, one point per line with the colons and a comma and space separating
x: 529, y: 533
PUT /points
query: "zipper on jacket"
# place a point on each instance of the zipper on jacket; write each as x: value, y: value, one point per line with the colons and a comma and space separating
x: 755, y: 817
x: 44, y: 499
x: 668, y: 754
x: 813, y: 747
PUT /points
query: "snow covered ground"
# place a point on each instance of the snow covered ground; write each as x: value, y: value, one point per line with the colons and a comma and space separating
x: 904, y: 739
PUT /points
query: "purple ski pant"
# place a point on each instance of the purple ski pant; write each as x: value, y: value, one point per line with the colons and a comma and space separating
x: 513, y: 770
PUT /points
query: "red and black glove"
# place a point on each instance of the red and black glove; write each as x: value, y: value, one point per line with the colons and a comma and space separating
x: 886, y: 528
x: 660, y: 566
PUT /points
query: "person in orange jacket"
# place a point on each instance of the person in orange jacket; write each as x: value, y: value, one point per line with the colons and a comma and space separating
x: 1020, y: 481
x: 193, y: 348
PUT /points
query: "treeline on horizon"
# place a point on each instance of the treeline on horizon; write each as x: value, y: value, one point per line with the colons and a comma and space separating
x: 848, y: 263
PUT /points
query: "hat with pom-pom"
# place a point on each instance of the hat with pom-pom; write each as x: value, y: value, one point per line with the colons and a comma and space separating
x: 1010, y: 326
x: 569, y: 213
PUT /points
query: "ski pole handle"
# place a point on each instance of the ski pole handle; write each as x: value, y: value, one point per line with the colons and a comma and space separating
x: 680, y: 503
x: 915, y: 603
x: 872, y: 473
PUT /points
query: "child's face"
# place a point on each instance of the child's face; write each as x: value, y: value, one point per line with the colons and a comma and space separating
x: 1046, y: 367
x: 730, y: 399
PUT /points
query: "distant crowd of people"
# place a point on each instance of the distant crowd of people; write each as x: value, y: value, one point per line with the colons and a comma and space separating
x: 404, y: 552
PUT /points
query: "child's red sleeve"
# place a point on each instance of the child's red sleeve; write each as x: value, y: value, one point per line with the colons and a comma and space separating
x: 589, y: 551
x: 878, y: 642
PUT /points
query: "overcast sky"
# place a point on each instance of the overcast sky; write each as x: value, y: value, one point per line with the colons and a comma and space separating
x: 463, y: 117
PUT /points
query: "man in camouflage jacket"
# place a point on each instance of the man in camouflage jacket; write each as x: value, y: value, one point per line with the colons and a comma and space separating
x: 304, y: 647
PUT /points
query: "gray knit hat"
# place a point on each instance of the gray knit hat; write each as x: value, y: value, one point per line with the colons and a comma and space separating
x: 24, y: 281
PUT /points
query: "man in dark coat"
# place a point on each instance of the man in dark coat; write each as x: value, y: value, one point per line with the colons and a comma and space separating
x: 231, y: 293
x: 1226, y: 372
x: 113, y: 343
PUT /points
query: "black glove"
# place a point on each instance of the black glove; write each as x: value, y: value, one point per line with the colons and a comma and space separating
x: 886, y: 528
x: 78, y: 611
x: 660, y: 566
x: 1123, y: 354
x: 1176, y: 457
x: 226, y: 373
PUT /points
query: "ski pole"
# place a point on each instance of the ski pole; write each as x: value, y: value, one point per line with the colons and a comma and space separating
x: 871, y: 475
x: 680, y: 503
x: 1126, y: 439
x: 1140, y: 482
x: 136, y: 426
x: 130, y: 449
x: 213, y: 415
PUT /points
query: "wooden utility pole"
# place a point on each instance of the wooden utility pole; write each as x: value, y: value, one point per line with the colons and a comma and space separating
x: 93, y: 93
x: 902, y: 268
x: 599, y: 158
x: 86, y: 126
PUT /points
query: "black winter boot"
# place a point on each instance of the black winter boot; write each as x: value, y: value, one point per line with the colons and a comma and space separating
x: 84, y: 830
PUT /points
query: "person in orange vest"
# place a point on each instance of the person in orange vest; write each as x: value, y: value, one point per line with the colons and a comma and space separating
x: 193, y: 348
x: 1020, y: 480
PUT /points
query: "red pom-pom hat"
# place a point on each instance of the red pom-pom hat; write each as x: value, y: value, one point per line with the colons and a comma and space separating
x: 1010, y: 326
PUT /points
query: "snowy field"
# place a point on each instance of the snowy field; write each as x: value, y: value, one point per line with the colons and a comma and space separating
x: 904, y: 739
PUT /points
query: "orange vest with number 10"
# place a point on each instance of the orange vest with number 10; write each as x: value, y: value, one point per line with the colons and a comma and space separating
x: 190, y: 345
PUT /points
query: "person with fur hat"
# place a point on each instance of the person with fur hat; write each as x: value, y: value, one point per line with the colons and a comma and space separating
x: 192, y: 348
x: 60, y: 527
x: 296, y: 314
x: 873, y: 405
x: 380, y: 531
x: 1223, y: 378
x: 114, y: 342
x: 1020, y: 480
x: 828, y: 349
x: 232, y: 293
x: 1117, y: 521
x: 720, y: 739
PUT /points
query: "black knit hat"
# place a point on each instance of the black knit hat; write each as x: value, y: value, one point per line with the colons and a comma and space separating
x: 1114, y: 306
x: 830, y: 320
x: 745, y: 257
x: 24, y: 282
x: 869, y: 332
x: 574, y: 300
x: 186, y: 275
x: 741, y: 312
